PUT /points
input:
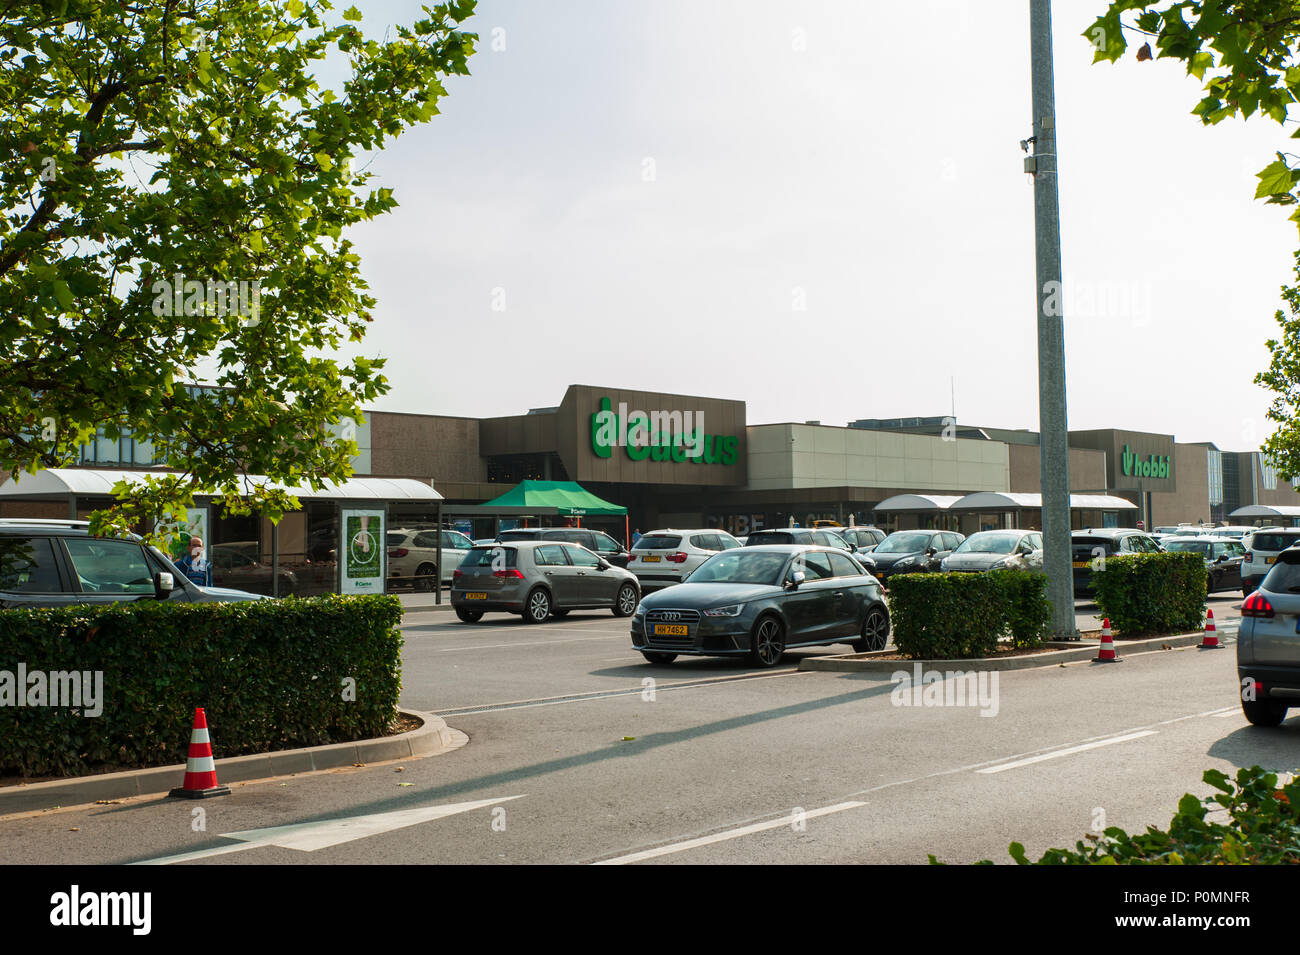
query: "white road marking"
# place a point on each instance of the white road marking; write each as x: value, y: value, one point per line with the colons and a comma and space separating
x: 729, y: 834
x: 310, y: 836
x: 607, y: 694
x: 1068, y: 751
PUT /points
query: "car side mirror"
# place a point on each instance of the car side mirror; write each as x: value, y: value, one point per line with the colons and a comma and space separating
x: 163, y: 584
x: 795, y: 580
x: 602, y: 564
x: 930, y: 552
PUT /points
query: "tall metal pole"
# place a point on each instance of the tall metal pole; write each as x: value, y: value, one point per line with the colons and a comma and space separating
x: 1053, y: 441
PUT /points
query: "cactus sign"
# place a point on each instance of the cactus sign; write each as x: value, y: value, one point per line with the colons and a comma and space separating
x: 1155, y: 465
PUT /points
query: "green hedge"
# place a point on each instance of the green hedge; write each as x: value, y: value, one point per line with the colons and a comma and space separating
x: 1151, y: 593
x: 1262, y: 828
x: 955, y: 616
x: 271, y: 674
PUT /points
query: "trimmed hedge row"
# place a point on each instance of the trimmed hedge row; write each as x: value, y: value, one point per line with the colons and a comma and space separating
x: 1151, y: 593
x: 271, y: 674
x: 955, y: 616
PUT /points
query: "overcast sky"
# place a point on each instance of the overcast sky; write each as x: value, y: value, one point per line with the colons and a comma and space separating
x: 819, y: 209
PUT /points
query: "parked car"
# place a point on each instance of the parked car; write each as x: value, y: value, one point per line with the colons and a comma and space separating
x: 1262, y: 549
x: 1268, y: 643
x: 415, y: 554
x: 1091, y: 544
x: 996, y: 550
x: 1223, y: 559
x: 598, y: 542
x: 663, y: 558
x: 1236, y: 532
x: 866, y: 539
x: 910, y: 552
x: 539, y: 579
x: 46, y: 563
x: 807, y: 536
x: 235, y: 565
x: 759, y: 601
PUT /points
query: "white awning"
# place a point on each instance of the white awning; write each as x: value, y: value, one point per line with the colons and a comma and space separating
x: 917, y: 502
x: 1267, y: 510
x: 1015, y: 501
x: 65, y: 482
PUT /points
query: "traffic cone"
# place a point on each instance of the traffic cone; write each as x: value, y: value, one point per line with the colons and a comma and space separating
x: 200, y: 771
x: 1107, y: 652
x: 1211, y: 639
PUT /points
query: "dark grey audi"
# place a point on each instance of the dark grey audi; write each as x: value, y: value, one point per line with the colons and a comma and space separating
x: 761, y: 601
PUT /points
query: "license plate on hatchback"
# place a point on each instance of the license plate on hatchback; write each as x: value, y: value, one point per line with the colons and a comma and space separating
x: 476, y: 596
x: 670, y: 630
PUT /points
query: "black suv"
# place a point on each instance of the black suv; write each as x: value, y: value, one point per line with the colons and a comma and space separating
x: 1096, y: 543
x: 56, y: 563
x: 598, y: 542
x: 814, y: 536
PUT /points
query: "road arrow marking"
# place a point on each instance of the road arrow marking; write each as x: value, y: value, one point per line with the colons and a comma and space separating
x: 310, y: 836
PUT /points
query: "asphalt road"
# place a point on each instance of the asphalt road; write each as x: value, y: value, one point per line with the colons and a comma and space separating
x: 574, y: 757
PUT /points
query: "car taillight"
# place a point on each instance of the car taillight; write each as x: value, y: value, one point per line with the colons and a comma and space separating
x: 398, y: 552
x: 677, y: 558
x: 1250, y: 557
x: 457, y: 573
x: 1256, y: 606
x: 511, y: 574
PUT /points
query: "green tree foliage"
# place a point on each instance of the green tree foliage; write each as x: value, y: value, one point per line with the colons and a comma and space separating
x: 150, y: 144
x: 1244, y: 52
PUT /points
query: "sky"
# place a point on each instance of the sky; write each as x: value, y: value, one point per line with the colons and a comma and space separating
x: 819, y: 209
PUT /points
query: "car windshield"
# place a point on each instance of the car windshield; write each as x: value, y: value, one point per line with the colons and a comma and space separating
x: 903, y: 543
x: 1188, y: 547
x: 987, y: 543
x: 740, y: 566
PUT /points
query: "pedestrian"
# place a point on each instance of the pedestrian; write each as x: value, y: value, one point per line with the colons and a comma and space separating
x: 194, y: 564
x: 636, y: 536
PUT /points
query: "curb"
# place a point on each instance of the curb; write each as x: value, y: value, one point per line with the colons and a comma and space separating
x: 864, y: 662
x: 431, y: 739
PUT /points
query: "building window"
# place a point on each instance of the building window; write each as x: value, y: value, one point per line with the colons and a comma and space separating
x: 1215, y: 462
x: 1267, y: 473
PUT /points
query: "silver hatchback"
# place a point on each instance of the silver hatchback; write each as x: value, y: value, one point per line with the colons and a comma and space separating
x: 539, y: 579
x: 1268, y: 643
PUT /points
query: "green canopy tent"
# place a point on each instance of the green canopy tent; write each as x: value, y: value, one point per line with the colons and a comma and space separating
x: 565, y: 498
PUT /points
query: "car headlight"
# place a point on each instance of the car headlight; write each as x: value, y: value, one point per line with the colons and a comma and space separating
x: 905, y: 562
x: 731, y: 610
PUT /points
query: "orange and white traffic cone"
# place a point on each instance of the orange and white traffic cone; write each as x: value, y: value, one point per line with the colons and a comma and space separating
x: 1211, y: 639
x: 200, y: 770
x: 1106, y: 654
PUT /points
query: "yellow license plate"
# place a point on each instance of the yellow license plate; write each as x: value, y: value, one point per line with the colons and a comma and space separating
x: 1269, y: 560
x: 476, y: 596
x: 1082, y: 563
x: 649, y: 560
x: 670, y: 630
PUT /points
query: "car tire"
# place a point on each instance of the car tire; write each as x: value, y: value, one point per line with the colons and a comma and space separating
x: 874, y: 632
x: 767, y: 642
x: 661, y: 658
x: 469, y: 616
x: 626, y: 601
x: 537, y: 607
x: 1263, y: 712
x: 424, y: 577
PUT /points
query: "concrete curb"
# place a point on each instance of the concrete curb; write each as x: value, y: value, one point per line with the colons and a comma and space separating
x: 866, y: 662
x: 432, y: 738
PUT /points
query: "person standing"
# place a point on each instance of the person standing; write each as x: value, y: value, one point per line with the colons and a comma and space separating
x: 636, y: 536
